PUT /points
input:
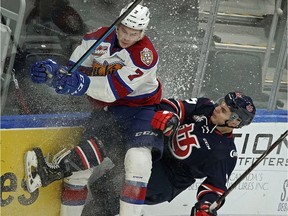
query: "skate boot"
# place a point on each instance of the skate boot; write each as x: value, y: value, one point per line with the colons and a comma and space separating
x: 39, y: 172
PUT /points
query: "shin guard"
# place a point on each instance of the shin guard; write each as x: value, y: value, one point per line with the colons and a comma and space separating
x: 138, y: 165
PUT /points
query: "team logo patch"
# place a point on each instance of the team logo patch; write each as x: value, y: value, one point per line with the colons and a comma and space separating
x: 250, y: 108
x: 146, y: 56
x: 183, y: 142
x: 199, y: 118
x: 101, y: 50
x: 238, y: 94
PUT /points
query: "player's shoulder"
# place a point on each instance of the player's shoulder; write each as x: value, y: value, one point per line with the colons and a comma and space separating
x: 95, y: 34
x: 206, y: 104
x: 206, y: 101
x: 143, y: 53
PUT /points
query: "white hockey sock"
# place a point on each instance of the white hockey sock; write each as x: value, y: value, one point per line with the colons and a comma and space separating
x: 138, y: 165
x: 74, y: 193
x: 71, y: 210
x: 130, y: 209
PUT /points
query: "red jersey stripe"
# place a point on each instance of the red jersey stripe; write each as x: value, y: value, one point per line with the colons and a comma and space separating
x: 83, y: 157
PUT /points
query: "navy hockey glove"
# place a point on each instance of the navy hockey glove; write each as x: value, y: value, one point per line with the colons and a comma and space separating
x: 76, y: 83
x: 41, y: 71
x: 202, y: 209
x: 165, y: 121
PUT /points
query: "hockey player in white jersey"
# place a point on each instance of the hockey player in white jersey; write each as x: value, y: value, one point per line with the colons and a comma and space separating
x: 119, y: 75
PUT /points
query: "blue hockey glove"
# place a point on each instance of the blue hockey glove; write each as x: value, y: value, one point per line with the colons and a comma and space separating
x: 76, y: 83
x: 202, y: 209
x: 42, y: 71
x: 165, y: 121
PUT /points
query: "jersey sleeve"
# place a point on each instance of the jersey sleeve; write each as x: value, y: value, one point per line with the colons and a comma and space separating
x: 214, y: 185
x: 79, y: 51
x: 87, y: 41
x: 185, y: 109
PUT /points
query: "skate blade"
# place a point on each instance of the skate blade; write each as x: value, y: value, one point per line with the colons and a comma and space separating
x: 32, y: 179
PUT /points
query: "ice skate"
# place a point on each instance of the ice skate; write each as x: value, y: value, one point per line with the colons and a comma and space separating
x: 39, y: 172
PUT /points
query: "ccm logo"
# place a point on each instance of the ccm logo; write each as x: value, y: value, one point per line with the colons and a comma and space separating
x: 146, y: 133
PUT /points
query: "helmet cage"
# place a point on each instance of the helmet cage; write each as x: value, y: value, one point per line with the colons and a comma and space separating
x: 238, y: 112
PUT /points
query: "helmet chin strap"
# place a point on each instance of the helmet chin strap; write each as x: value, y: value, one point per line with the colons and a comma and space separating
x: 226, y: 125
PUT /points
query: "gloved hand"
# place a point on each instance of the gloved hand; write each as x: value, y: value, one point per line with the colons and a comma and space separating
x: 202, y: 209
x: 165, y: 121
x: 76, y: 83
x: 41, y: 71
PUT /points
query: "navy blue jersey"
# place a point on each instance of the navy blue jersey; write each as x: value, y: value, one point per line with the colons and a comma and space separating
x: 186, y: 109
x: 198, y: 149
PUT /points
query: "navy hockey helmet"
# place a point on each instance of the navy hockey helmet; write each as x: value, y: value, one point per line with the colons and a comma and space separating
x: 241, y: 106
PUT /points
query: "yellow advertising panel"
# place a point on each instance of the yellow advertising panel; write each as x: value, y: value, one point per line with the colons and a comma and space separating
x: 15, y: 200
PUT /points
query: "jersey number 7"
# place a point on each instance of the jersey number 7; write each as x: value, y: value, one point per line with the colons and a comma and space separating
x: 138, y: 74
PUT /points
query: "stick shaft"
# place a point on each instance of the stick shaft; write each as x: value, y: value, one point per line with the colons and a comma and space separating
x: 243, y: 176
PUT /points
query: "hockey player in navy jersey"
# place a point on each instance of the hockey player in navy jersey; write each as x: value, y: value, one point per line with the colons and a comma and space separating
x: 201, y: 147
x: 119, y: 75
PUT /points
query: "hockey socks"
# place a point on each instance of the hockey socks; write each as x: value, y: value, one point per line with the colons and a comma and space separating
x: 88, y: 154
x: 74, y: 194
x: 81, y: 160
x: 84, y: 156
x: 138, y: 165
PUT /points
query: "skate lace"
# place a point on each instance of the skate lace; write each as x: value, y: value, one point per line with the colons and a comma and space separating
x: 51, y: 164
x: 54, y: 164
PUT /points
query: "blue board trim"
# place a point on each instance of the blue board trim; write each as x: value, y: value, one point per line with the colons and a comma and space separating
x: 263, y: 115
x: 78, y: 119
x: 43, y: 120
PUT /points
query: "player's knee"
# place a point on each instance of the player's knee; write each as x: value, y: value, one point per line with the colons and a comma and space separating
x: 138, y: 164
x: 88, y: 154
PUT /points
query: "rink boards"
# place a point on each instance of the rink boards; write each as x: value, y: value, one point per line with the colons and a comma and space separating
x: 19, y: 134
x: 263, y: 192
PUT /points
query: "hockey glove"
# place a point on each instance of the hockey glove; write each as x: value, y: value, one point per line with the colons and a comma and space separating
x: 202, y: 209
x: 76, y: 83
x: 41, y: 71
x: 165, y: 121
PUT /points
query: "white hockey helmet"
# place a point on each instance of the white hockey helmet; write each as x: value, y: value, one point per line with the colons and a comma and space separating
x: 137, y: 19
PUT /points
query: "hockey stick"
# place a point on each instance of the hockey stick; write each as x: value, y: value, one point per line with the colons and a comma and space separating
x: 102, y: 38
x: 20, y: 96
x: 245, y: 174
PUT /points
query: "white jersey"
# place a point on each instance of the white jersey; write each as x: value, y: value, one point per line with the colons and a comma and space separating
x: 120, y: 76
